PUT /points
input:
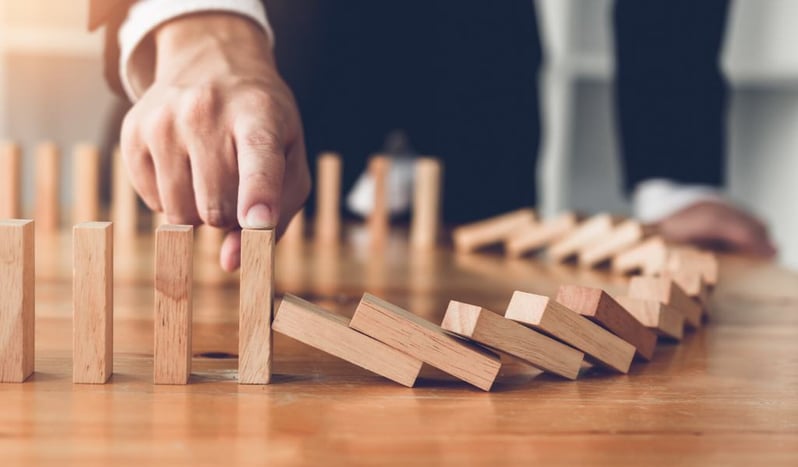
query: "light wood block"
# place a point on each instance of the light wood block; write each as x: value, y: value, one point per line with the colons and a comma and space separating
x: 491, y: 231
x: 174, y: 259
x: 426, y: 219
x: 328, y: 197
x: 666, y: 291
x: 619, y: 239
x: 653, y: 314
x: 17, y: 298
x: 601, y: 308
x: 48, y: 173
x: 648, y: 257
x: 10, y: 178
x: 124, y: 201
x: 583, y: 235
x: 256, y: 307
x: 493, y: 330
x: 86, y: 183
x: 295, y: 231
x: 379, y: 220
x: 330, y: 333
x: 557, y: 320
x: 536, y: 236
x: 704, y: 262
x: 425, y: 341
x: 93, y: 298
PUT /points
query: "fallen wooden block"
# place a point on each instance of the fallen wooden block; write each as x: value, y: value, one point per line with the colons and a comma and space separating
x: 686, y: 258
x: 48, y: 174
x: 648, y: 257
x: 256, y: 305
x: 663, y: 319
x: 17, y: 298
x: 379, y: 220
x: 663, y: 289
x: 328, y: 197
x: 584, y: 234
x: 330, y: 333
x: 602, y: 309
x: 426, y: 219
x: 491, y: 231
x: 10, y: 180
x: 619, y: 239
x: 533, y: 237
x: 545, y: 314
x: 493, y: 330
x: 425, y: 341
x: 86, y: 183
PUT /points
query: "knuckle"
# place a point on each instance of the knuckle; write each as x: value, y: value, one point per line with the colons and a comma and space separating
x: 215, y: 216
x: 178, y: 217
x: 199, y: 105
x: 160, y: 124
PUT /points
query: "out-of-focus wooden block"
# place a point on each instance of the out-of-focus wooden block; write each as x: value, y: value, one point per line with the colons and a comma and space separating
x: 425, y: 341
x: 601, y: 308
x: 663, y: 289
x: 174, y: 259
x: 648, y: 257
x: 295, y: 231
x: 491, y: 231
x: 124, y: 201
x: 493, y: 330
x: 256, y: 307
x: 86, y: 183
x: 48, y: 174
x: 536, y: 236
x: 686, y: 258
x: 17, y: 264
x: 379, y: 220
x: 653, y: 314
x: 619, y: 239
x: 426, y: 203
x: 584, y: 234
x: 159, y: 219
x: 328, y: 197
x: 10, y: 178
x: 93, y: 297
x: 330, y: 333
x: 557, y: 320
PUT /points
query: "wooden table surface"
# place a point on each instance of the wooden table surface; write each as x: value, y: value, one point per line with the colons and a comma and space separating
x: 728, y: 394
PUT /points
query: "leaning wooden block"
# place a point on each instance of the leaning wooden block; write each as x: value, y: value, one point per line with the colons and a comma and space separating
x: 545, y: 314
x: 666, y: 291
x: 174, y: 259
x: 17, y: 265
x: 493, y: 330
x: 491, y: 231
x: 584, y: 234
x: 601, y: 308
x: 10, y: 180
x: 256, y: 305
x: 663, y: 319
x: 619, y: 239
x: 330, y: 333
x: 686, y: 258
x: 93, y: 297
x: 425, y: 341
x: 536, y: 236
x: 648, y: 257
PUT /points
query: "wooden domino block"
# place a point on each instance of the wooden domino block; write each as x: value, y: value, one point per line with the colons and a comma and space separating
x: 601, y: 308
x: 93, y: 297
x: 256, y: 307
x: 653, y: 314
x: 330, y: 333
x: 704, y: 262
x: 10, y: 178
x: 17, y: 292
x: 48, y: 173
x: 666, y: 291
x: 491, y: 231
x: 425, y: 341
x: 648, y: 257
x: 619, y: 239
x: 86, y: 183
x: 328, y: 197
x: 426, y: 203
x: 379, y: 220
x: 557, y: 320
x: 173, y: 303
x: 124, y: 201
x: 583, y: 235
x: 295, y: 231
x: 493, y: 330
x: 536, y: 236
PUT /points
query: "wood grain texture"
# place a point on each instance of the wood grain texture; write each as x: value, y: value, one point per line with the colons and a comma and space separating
x: 10, y: 178
x: 476, y: 235
x: 584, y: 234
x: 547, y: 315
x: 174, y: 259
x: 17, y: 300
x: 48, y: 185
x: 86, y: 183
x: 493, y: 330
x: 425, y: 341
x: 534, y: 237
x: 329, y: 168
x: 601, y: 308
x: 648, y: 257
x: 256, y: 307
x: 379, y: 220
x: 663, y: 288
x: 663, y: 319
x: 616, y: 241
x: 93, y: 303
x: 426, y: 219
x: 330, y: 333
x: 124, y: 201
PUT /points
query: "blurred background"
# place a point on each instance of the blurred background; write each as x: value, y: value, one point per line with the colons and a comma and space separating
x: 51, y: 87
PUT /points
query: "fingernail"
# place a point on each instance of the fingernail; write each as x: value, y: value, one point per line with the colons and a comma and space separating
x: 259, y: 216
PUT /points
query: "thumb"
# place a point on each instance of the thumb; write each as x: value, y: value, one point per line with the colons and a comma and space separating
x: 261, y: 166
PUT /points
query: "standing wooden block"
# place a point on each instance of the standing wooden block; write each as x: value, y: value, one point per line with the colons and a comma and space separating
x: 668, y: 292
x: 330, y: 333
x: 256, y: 307
x: 425, y: 341
x: 493, y: 330
x: 584, y: 234
x: 619, y: 239
x: 48, y: 173
x: 124, y: 200
x: 426, y: 203
x: 379, y: 220
x: 328, y: 197
x: 93, y: 298
x: 17, y: 265
x: 10, y: 177
x: 173, y: 303
x: 648, y: 257
x: 536, y: 236
x: 86, y: 183
x: 545, y: 314
x: 601, y: 308
x: 491, y: 231
x: 295, y: 231
x: 655, y: 315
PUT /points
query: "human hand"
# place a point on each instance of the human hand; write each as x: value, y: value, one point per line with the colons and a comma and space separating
x: 217, y: 137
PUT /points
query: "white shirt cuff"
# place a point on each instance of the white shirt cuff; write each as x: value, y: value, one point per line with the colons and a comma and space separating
x: 658, y: 198
x: 146, y: 15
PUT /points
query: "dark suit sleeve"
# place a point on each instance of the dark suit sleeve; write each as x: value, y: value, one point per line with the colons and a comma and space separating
x: 111, y: 14
x: 670, y: 91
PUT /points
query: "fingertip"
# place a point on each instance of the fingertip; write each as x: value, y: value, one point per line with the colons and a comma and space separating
x: 259, y: 216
